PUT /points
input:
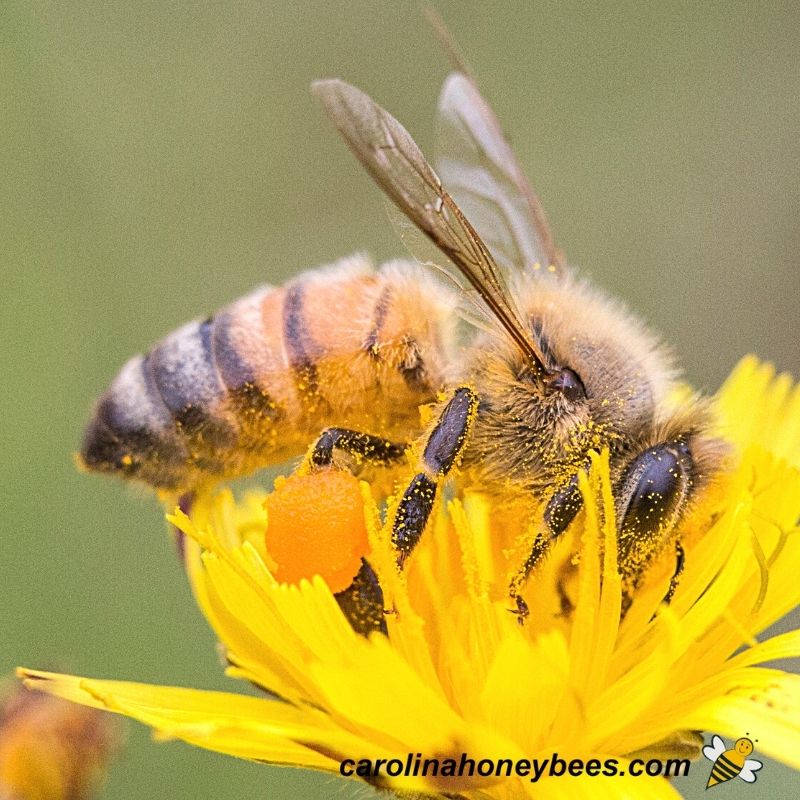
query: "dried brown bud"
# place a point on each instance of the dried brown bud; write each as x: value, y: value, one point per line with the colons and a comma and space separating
x: 51, y: 749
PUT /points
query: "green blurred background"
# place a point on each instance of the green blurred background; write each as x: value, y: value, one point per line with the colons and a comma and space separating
x: 160, y: 159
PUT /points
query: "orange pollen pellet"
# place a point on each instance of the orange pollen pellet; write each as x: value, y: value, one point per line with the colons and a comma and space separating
x: 316, y: 526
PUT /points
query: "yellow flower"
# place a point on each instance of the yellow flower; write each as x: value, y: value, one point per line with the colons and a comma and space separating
x: 458, y: 675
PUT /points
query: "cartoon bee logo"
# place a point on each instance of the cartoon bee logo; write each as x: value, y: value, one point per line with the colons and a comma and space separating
x: 730, y: 763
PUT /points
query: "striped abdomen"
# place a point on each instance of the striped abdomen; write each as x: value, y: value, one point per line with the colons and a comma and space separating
x: 728, y: 765
x: 256, y: 383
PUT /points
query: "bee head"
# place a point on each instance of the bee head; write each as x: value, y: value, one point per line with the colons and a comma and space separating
x: 743, y: 746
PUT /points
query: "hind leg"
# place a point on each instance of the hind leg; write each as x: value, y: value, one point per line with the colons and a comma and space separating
x: 362, y: 447
x: 443, y: 445
x: 362, y: 602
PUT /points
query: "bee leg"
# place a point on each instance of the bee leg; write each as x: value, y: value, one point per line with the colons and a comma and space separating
x: 541, y: 544
x: 680, y: 563
x: 185, y: 503
x: 561, y: 509
x: 360, y: 446
x: 564, y: 599
x: 362, y: 602
x: 674, y: 581
x: 444, y: 445
x: 651, y: 496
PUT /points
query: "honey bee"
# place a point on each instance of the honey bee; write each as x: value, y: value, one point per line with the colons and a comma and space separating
x: 344, y: 356
x: 729, y: 764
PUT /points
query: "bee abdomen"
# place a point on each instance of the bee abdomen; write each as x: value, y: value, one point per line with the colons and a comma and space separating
x: 186, y: 379
x: 302, y: 351
x: 132, y: 431
x: 189, y: 404
x: 723, y: 770
x: 237, y: 347
x: 251, y: 386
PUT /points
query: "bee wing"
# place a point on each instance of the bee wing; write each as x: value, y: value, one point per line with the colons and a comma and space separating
x: 751, y: 766
x: 714, y: 750
x: 479, y: 169
x: 389, y: 154
x: 468, y: 304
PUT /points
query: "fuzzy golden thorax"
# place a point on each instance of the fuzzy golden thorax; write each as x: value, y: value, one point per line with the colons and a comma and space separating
x: 528, y: 435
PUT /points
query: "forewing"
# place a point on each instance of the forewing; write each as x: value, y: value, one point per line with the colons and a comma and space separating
x: 392, y: 158
x: 468, y: 304
x: 751, y: 766
x: 714, y: 750
x: 479, y: 169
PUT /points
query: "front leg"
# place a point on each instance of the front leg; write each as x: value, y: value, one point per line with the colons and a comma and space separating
x: 561, y: 509
x: 680, y: 563
x: 652, y: 496
x: 443, y: 447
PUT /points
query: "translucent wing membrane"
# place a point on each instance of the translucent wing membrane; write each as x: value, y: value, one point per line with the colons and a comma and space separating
x: 392, y: 158
x: 469, y: 305
x: 479, y: 169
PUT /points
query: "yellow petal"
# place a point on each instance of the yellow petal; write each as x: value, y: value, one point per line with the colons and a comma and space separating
x: 247, y: 727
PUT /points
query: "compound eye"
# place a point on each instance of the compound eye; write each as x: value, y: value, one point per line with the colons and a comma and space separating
x: 567, y: 382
